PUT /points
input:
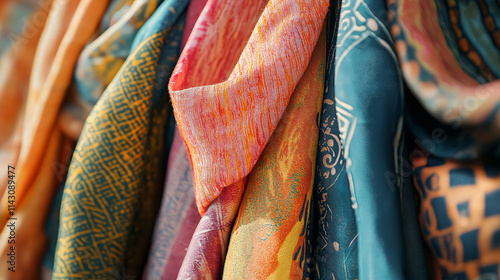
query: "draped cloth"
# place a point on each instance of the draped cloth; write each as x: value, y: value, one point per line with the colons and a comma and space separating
x: 227, y: 114
x: 178, y: 216
x: 334, y: 233
x: 113, y: 184
x: 101, y: 59
x: 369, y: 106
x: 177, y: 219
x: 450, y: 55
x: 208, y: 247
x: 97, y: 64
x: 58, y: 32
x: 270, y: 238
x: 17, y: 51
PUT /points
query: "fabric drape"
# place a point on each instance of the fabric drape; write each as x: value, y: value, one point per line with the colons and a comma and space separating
x: 114, y: 179
x: 449, y: 54
x: 100, y: 60
x: 61, y: 33
x: 370, y: 110
x: 271, y: 235
x: 334, y: 233
x: 178, y: 216
x: 227, y: 115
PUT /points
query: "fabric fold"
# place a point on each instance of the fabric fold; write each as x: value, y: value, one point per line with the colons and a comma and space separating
x: 114, y: 181
x: 270, y: 238
x: 101, y: 59
x: 66, y: 29
x: 370, y: 110
x: 208, y: 247
x: 178, y: 216
x: 450, y: 52
x: 227, y: 116
x: 334, y: 234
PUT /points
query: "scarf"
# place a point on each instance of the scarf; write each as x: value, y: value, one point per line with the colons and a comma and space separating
x: 114, y: 181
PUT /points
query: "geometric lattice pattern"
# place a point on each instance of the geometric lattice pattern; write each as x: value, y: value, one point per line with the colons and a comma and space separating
x: 106, y: 173
x: 107, y: 212
x: 460, y: 215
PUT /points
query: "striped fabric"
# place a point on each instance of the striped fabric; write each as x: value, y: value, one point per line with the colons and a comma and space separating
x: 229, y: 95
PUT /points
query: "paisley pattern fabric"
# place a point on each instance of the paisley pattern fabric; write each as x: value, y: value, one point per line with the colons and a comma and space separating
x: 334, y: 233
x: 460, y: 215
x: 224, y: 129
x: 274, y: 215
x: 115, y: 174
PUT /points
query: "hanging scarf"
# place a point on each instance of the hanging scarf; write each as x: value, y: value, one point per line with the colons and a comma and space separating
x: 115, y: 175
x: 271, y: 234
x: 178, y: 216
x: 369, y: 100
x: 40, y: 143
x: 101, y: 59
x: 334, y: 234
x: 97, y: 64
x: 224, y: 129
x: 450, y: 52
x: 227, y: 113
